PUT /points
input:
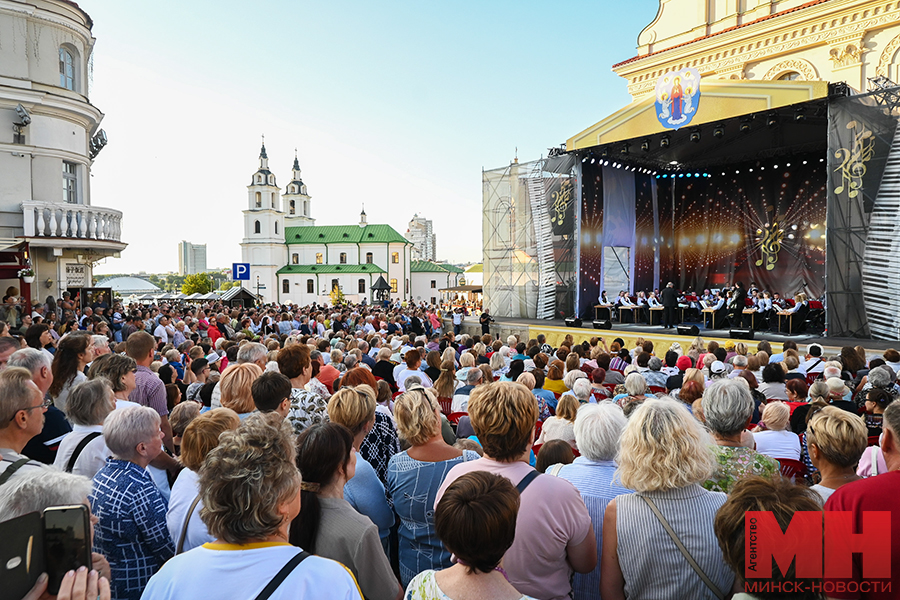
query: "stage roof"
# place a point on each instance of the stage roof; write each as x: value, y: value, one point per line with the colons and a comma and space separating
x: 719, y: 100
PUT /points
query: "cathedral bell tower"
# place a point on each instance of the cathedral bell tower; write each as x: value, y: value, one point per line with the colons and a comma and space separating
x: 263, y: 243
x: 297, y: 205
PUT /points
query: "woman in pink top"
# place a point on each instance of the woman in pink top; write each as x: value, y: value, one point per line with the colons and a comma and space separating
x: 553, y: 539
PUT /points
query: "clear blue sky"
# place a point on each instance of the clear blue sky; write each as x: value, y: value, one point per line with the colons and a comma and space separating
x: 398, y: 105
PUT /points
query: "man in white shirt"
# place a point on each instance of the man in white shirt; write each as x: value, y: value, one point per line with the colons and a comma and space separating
x: 814, y: 363
x: 164, y: 332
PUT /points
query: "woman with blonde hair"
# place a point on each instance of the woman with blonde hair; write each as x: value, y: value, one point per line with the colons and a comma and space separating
x: 446, y: 382
x: 562, y: 425
x: 498, y: 364
x: 836, y: 441
x: 235, y: 386
x: 664, y: 456
x: 413, y: 480
x: 773, y: 435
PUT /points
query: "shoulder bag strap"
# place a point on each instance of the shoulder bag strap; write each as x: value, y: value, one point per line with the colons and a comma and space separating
x: 184, y: 528
x: 684, y: 551
x: 554, y: 470
x: 282, y: 575
x: 11, y: 470
x: 79, y: 448
x: 526, y: 481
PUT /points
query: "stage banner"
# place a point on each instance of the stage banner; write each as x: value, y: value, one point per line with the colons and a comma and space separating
x: 619, y: 218
x: 863, y: 230
x: 590, y: 239
x: 646, y: 234
x: 760, y: 222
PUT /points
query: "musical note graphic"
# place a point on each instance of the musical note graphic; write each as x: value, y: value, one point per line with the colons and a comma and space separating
x: 770, y: 246
x: 853, y: 162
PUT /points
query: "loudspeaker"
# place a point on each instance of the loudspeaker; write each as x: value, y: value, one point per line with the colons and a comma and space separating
x: 685, y: 330
x: 602, y: 325
x: 573, y: 322
x: 740, y: 334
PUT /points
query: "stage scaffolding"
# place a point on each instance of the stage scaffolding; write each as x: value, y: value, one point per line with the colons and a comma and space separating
x: 528, y: 260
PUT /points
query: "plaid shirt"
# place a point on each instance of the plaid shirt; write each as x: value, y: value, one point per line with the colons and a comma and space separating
x: 150, y: 391
x: 380, y: 445
x: 132, y: 532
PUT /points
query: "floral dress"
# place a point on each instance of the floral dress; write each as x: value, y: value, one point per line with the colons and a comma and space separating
x: 425, y: 587
x: 735, y: 463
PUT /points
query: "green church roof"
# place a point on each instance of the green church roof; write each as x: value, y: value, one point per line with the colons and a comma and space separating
x: 425, y: 266
x: 329, y: 269
x: 347, y: 234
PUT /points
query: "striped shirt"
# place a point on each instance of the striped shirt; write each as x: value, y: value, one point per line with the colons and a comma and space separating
x: 150, y: 391
x: 651, y: 563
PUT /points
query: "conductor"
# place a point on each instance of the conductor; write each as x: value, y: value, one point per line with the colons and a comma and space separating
x: 670, y: 303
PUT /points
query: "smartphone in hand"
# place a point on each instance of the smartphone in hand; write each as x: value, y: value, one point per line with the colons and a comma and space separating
x: 67, y: 542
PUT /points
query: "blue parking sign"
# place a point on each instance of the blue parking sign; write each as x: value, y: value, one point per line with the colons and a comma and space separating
x: 240, y: 272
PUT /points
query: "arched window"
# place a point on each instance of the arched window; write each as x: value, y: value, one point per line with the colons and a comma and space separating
x: 256, y: 227
x: 335, y: 284
x: 295, y: 259
x: 258, y: 179
x: 66, y: 69
x: 343, y: 258
x: 276, y: 227
x: 305, y: 208
x: 395, y: 257
x: 394, y: 286
x: 318, y: 258
x: 258, y: 200
x: 292, y: 207
x: 285, y: 286
x: 310, y: 286
x: 790, y: 76
x: 362, y: 286
x: 368, y: 258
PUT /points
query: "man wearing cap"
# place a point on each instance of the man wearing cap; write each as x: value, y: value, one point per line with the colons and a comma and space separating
x: 716, y: 371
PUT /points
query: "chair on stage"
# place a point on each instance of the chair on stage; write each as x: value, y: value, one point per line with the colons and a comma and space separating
x: 720, y: 318
x: 797, y: 322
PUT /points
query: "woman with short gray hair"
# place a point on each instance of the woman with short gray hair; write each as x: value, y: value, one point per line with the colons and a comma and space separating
x: 727, y: 410
x: 132, y: 531
x: 84, y: 451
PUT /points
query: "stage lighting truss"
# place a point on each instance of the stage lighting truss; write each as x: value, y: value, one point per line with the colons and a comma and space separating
x: 695, y: 135
x: 719, y: 131
x: 664, y: 141
x: 772, y: 120
x: 645, y: 146
x: 745, y: 125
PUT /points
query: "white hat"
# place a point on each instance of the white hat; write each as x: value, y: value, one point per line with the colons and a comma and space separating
x: 213, y: 358
x: 717, y: 367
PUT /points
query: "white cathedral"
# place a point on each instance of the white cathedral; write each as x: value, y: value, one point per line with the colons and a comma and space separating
x: 294, y: 260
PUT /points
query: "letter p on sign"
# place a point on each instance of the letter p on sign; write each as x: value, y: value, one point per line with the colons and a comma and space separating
x: 240, y: 272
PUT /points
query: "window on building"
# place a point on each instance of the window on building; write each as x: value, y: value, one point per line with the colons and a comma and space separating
x: 362, y: 286
x: 394, y: 286
x: 258, y: 200
x: 343, y: 258
x: 368, y: 258
x: 256, y: 227
x: 335, y: 284
x: 790, y: 76
x: 70, y: 182
x: 276, y: 227
x: 285, y: 286
x: 272, y: 197
x: 305, y: 208
x: 310, y: 286
x: 259, y: 180
x: 433, y: 300
x: 406, y: 286
x: 293, y: 207
x: 66, y: 69
x: 433, y: 284
x: 295, y: 259
x: 395, y: 258
x: 318, y: 258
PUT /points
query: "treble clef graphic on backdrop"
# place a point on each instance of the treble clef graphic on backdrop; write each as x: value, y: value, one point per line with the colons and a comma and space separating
x: 853, y: 162
x: 561, y: 200
x: 770, y: 246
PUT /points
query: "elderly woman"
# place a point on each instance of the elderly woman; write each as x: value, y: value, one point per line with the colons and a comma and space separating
x: 664, y: 457
x: 131, y: 531
x: 235, y: 385
x: 413, y: 480
x: 476, y: 521
x: 836, y: 441
x: 562, y: 425
x: 571, y: 377
x: 119, y: 370
x: 250, y: 488
x: 384, y: 368
x: 582, y: 390
x: 498, y: 364
x: 74, y: 353
x: 636, y: 390
x: 773, y: 383
x: 773, y: 435
x: 727, y: 410
x: 552, y: 539
x: 327, y: 524
x: 307, y: 407
x: 83, y: 451
x: 598, y: 428
x: 529, y: 381
x: 554, y: 381
x: 200, y: 437
x: 354, y: 408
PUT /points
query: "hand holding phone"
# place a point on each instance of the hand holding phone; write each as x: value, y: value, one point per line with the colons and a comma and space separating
x: 67, y: 544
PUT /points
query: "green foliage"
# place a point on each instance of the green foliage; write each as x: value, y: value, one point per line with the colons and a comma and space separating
x: 337, y: 296
x: 227, y: 285
x: 198, y: 283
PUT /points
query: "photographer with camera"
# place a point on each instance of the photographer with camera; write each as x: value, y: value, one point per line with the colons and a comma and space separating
x: 485, y: 321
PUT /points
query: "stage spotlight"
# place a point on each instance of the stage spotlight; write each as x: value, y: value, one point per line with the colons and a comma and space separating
x: 772, y: 120
x: 719, y: 131
x: 624, y: 149
x: 645, y: 146
x: 799, y: 115
x: 584, y: 159
x: 686, y: 175
x: 605, y: 163
x: 695, y: 135
x: 592, y: 161
x: 605, y: 152
x: 664, y: 141
x: 745, y: 125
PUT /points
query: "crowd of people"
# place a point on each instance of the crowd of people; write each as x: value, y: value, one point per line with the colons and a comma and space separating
x: 374, y: 452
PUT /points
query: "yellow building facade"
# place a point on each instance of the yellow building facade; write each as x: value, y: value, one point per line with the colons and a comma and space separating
x: 818, y: 40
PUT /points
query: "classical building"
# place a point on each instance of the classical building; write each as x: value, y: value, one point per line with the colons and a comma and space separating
x: 421, y: 235
x: 191, y: 258
x: 429, y: 277
x: 829, y: 40
x: 294, y: 260
x: 49, y: 137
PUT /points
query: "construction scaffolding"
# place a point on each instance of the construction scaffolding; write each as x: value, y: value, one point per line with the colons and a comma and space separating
x: 528, y: 238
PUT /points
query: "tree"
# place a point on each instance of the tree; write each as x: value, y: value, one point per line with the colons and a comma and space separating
x: 337, y: 296
x: 198, y: 283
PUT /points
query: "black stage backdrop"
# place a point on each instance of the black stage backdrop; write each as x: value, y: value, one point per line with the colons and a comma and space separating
x: 761, y: 222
